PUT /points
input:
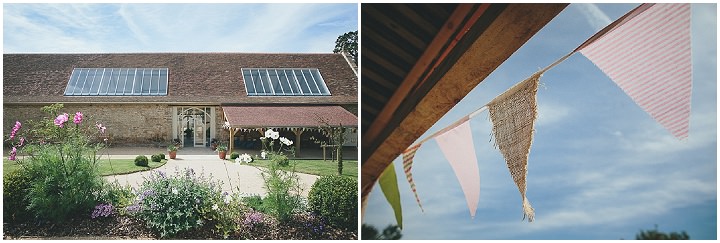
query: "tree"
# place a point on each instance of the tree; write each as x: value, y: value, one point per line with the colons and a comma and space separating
x: 391, y: 232
x: 657, y: 235
x: 349, y: 43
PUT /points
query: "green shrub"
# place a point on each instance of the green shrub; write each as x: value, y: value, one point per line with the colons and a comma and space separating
x: 117, y: 195
x: 173, y: 204
x: 16, y: 185
x: 61, y: 171
x: 156, y: 157
x: 141, y: 160
x: 234, y: 155
x: 162, y: 155
x: 283, y: 188
x: 254, y: 202
x: 335, y: 198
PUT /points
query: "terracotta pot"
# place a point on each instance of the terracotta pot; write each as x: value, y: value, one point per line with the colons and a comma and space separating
x: 222, y: 154
x: 172, y: 154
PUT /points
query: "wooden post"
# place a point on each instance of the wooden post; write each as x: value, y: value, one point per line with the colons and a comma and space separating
x: 231, y: 140
x: 297, y: 132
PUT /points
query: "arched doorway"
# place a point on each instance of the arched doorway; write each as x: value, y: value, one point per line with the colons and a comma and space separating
x: 194, y: 126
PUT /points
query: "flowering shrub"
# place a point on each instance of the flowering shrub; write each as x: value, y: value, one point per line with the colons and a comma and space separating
x: 103, y: 210
x: 173, y: 204
x: 61, y: 165
x: 283, y: 198
x: 244, y: 158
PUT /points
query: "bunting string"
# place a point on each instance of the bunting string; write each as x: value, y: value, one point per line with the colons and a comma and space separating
x: 653, y: 67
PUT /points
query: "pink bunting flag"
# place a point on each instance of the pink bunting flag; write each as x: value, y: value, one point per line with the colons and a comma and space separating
x: 647, y: 54
x: 457, y: 145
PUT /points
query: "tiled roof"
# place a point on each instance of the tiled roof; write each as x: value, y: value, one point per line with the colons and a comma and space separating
x: 288, y: 116
x: 209, y: 78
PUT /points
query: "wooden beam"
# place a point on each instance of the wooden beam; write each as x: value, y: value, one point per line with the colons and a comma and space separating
x: 514, y: 26
x: 413, y: 77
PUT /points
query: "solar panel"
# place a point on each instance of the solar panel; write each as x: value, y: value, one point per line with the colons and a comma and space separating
x: 284, y: 82
x: 117, y: 82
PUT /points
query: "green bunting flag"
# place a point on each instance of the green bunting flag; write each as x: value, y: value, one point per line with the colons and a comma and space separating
x: 389, y: 186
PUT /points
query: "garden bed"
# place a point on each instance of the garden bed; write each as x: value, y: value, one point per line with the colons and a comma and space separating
x: 301, y: 227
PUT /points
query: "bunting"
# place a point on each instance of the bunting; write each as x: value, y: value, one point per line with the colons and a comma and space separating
x: 513, y: 116
x: 389, y: 187
x: 457, y: 146
x: 647, y: 54
x: 408, y: 156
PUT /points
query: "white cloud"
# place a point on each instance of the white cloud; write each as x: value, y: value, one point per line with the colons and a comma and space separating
x: 594, y: 16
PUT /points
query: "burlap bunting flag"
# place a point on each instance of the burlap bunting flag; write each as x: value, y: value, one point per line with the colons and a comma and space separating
x: 408, y: 156
x: 513, y: 116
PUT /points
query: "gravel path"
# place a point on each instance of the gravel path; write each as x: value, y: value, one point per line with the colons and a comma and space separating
x: 237, y: 178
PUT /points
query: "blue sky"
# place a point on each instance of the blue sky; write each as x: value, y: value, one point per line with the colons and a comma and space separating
x: 83, y: 28
x: 599, y: 168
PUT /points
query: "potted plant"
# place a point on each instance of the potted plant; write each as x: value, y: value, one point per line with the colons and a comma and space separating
x: 172, y: 151
x: 222, y: 151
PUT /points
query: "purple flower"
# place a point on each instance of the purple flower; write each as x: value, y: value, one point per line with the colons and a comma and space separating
x: 132, y: 209
x: 13, y: 153
x: 103, y: 210
x: 78, y: 117
x: 61, y: 119
x: 253, y: 218
x: 15, y: 129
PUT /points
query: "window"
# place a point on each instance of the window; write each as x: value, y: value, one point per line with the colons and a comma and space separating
x: 117, y: 81
x: 284, y: 81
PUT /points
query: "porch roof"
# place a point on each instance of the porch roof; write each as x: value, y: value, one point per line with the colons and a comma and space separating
x: 287, y: 116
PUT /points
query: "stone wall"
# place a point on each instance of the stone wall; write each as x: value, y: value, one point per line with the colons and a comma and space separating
x: 127, y: 124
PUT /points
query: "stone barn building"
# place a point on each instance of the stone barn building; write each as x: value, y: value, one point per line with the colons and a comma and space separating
x: 190, y: 98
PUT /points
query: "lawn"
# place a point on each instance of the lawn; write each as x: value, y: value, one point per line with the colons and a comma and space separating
x: 318, y: 167
x: 119, y: 166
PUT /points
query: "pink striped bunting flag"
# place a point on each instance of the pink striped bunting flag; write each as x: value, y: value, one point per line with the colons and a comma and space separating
x: 408, y: 156
x: 647, y: 54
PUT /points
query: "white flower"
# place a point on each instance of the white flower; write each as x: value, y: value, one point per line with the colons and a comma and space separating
x: 227, y: 199
x: 269, y: 133
x: 263, y: 154
x: 238, y: 160
x: 215, y: 207
x: 174, y: 191
x: 275, y: 135
x: 245, y: 158
x: 286, y: 141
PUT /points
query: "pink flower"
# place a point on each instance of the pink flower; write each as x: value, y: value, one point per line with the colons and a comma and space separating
x: 13, y: 153
x: 78, y: 117
x: 61, y: 119
x: 15, y: 129
x: 100, y: 127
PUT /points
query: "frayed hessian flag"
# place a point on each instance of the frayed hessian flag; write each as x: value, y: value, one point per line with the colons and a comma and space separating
x: 389, y: 186
x: 457, y: 145
x: 513, y: 116
x: 408, y: 156
x: 647, y: 54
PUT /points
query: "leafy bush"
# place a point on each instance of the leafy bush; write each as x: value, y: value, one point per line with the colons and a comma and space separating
x: 64, y: 186
x: 255, y: 202
x: 171, y: 205
x: 117, y: 195
x: 16, y: 185
x: 335, y: 198
x: 61, y: 171
x: 156, y: 157
x: 162, y: 156
x: 141, y: 160
x: 234, y: 155
x: 283, y: 188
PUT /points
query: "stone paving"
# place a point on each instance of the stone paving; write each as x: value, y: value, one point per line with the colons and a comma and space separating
x: 237, y: 178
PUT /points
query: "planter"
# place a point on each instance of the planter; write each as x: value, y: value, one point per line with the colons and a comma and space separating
x: 172, y: 154
x: 222, y: 154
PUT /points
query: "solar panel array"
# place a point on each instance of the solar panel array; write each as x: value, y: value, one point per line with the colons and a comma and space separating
x: 117, y: 82
x: 284, y: 82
